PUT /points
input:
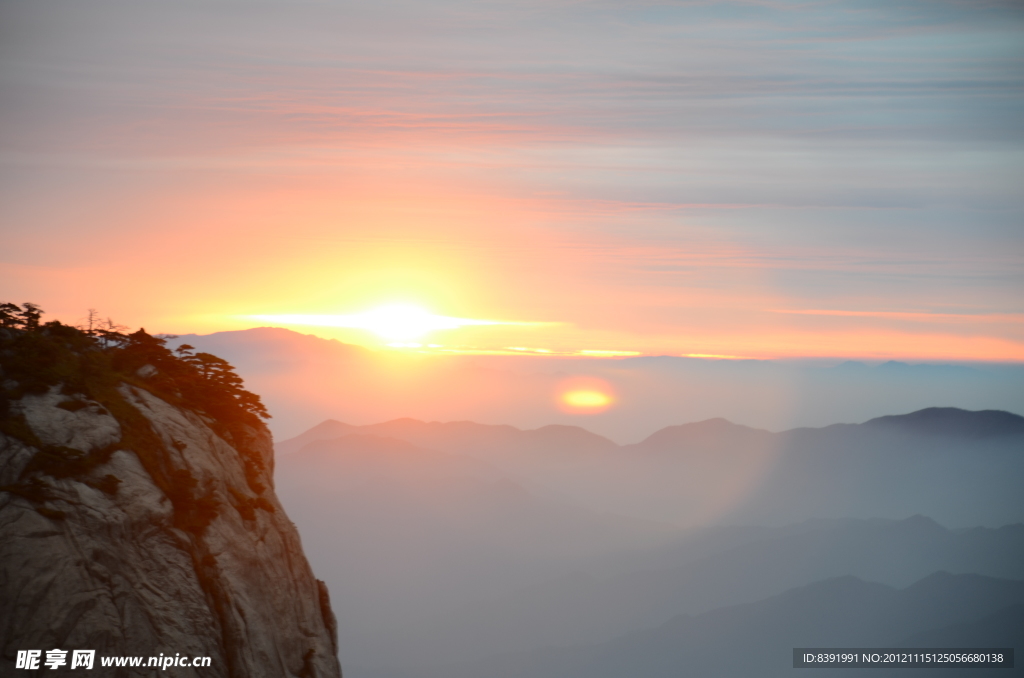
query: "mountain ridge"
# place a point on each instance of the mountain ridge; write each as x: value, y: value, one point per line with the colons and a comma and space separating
x: 714, y: 470
x: 939, y: 421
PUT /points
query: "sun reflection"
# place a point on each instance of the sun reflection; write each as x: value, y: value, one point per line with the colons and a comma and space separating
x: 586, y: 399
x: 585, y: 395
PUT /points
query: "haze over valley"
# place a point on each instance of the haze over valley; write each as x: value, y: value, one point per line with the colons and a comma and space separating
x: 471, y: 541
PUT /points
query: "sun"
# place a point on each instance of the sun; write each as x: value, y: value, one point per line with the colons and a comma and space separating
x: 402, y: 322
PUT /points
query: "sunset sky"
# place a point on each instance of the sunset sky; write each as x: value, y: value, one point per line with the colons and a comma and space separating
x: 754, y: 179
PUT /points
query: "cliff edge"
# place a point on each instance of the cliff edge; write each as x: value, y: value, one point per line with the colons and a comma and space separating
x: 137, y: 523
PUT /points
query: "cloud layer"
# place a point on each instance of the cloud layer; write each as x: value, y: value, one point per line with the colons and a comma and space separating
x: 663, y: 176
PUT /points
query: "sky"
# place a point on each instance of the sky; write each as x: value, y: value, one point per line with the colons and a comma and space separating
x: 755, y: 179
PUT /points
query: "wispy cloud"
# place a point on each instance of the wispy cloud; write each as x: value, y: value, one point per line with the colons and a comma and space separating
x: 654, y: 171
x: 1014, y: 318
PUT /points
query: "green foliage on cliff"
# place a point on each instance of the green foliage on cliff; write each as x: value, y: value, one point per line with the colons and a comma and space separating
x: 38, y: 355
x: 92, y: 362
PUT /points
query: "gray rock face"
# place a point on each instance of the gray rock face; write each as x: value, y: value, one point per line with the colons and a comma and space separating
x: 87, y: 428
x: 190, y: 552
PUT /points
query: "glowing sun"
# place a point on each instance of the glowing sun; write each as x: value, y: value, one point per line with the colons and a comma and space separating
x: 400, y: 322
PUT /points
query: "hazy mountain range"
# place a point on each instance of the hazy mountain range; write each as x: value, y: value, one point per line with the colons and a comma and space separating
x: 961, y: 468
x: 471, y: 541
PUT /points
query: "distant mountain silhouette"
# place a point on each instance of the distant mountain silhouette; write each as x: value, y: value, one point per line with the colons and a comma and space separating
x: 932, y: 421
x: 544, y: 459
x: 717, y: 433
x: 933, y: 462
x: 757, y: 639
x: 326, y: 430
x: 952, y: 421
x: 253, y: 344
x: 461, y: 436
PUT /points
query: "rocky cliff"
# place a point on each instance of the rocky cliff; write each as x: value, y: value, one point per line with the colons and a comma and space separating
x: 134, y: 524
